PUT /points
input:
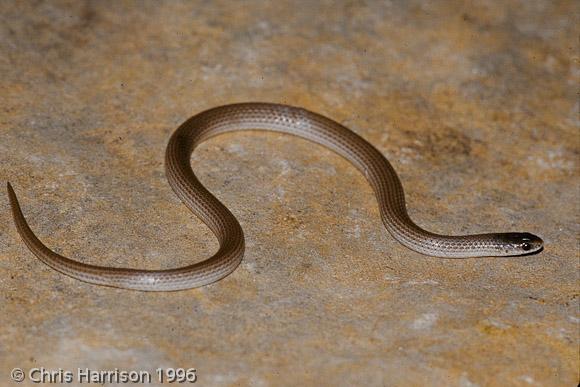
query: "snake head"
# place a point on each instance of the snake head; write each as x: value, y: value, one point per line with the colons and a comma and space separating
x: 519, y: 243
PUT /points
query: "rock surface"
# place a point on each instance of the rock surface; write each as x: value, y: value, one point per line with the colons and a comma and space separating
x: 475, y: 106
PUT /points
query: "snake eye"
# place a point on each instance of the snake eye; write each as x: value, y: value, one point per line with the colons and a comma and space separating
x: 526, y: 246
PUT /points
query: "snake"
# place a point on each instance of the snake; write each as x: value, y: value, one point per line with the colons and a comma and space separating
x: 292, y: 120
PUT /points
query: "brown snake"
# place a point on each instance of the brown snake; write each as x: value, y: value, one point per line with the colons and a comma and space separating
x: 279, y: 118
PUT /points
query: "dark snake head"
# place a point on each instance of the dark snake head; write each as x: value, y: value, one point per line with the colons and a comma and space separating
x: 519, y: 243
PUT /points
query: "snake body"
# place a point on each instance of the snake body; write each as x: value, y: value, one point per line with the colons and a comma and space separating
x: 279, y: 118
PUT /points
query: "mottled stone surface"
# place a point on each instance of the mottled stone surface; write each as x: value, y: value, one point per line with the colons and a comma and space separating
x: 475, y: 106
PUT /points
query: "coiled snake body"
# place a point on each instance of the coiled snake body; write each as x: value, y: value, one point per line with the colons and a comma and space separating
x: 280, y: 118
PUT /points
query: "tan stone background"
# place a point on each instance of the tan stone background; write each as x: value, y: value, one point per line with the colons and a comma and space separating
x: 474, y: 103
